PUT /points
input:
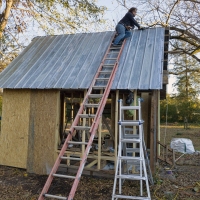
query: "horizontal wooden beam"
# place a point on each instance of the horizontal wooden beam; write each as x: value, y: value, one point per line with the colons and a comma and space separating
x: 89, y: 156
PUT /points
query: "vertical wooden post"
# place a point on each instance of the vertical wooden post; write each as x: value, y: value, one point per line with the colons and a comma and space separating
x: 99, y: 140
x: 116, y: 125
x: 113, y: 113
x: 134, y: 127
x: 83, y: 133
x: 99, y: 144
x: 134, y: 118
x: 62, y: 115
x: 134, y: 112
x: 158, y: 139
x: 72, y: 107
x: 145, y: 115
x: 153, y: 130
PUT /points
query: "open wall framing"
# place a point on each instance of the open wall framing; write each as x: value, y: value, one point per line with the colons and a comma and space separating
x: 106, y: 151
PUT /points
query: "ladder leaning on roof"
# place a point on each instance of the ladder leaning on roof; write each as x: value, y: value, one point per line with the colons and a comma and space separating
x: 125, y: 155
x: 102, y: 81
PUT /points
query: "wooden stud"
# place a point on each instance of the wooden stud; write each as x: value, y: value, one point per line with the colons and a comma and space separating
x: 68, y: 153
x: 72, y: 108
x: 158, y: 139
x: 113, y: 113
x: 83, y: 133
x: 153, y: 130
x: 99, y: 141
x: 151, y: 134
x: 116, y: 125
x: 145, y: 115
x: 62, y: 116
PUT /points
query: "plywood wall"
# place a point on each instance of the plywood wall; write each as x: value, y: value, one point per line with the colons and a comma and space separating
x: 43, y: 130
x: 30, y: 127
x: 15, y: 129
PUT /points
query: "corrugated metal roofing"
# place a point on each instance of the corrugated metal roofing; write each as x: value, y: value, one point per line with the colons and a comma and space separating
x: 71, y: 61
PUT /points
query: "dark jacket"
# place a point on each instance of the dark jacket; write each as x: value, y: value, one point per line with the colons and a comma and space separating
x: 128, y: 20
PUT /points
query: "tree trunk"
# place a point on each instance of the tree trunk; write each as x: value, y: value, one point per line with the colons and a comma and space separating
x: 4, y: 17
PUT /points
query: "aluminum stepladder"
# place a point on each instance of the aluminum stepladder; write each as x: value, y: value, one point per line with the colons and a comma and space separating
x: 125, y: 139
x: 98, y: 91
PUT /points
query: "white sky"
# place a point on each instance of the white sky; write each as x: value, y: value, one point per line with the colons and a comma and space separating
x: 113, y: 14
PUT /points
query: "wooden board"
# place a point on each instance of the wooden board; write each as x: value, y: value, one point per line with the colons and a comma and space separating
x: 43, y: 130
x: 14, y: 132
x: 145, y: 116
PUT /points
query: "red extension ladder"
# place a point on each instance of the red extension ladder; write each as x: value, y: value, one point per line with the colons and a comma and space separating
x: 102, y: 82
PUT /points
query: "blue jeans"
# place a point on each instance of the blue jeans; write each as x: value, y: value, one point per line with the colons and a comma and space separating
x: 122, y: 34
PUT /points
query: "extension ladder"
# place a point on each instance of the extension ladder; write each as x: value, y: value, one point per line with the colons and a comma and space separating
x: 98, y: 91
x: 128, y: 155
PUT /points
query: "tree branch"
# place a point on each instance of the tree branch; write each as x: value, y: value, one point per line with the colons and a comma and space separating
x: 185, y: 32
x: 168, y: 18
x: 6, y: 14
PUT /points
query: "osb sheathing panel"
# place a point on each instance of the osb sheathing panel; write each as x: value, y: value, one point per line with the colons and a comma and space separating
x: 14, y: 130
x: 43, y: 130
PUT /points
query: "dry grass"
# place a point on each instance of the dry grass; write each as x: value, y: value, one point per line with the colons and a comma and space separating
x: 175, y: 131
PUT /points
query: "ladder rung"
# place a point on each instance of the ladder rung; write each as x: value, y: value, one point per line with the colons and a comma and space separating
x: 112, y: 53
x: 108, y: 64
x: 115, y: 48
x: 82, y: 127
x: 102, y: 79
x: 87, y: 116
x: 91, y: 105
x: 131, y: 136
x: 130, y: 107
x: 64, y: 176
x: 74, y: 142
x: 132, y: 150
x: 131, y: 197
x: 131, y: 177
x: 95, y: 96
x: 105, y: 72
x: 130, y: 140
x: 54, y: 196
x: 99, y: 87
x: 70, y: 158
x: 111, y: 59
x: 129, y: 158
x: 131, y: 123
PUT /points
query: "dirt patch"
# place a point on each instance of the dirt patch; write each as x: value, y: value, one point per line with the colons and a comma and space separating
x: 182, y: 184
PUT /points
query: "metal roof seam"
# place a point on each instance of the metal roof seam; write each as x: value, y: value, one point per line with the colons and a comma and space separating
x: 95, y: 57
x: 133, y: 61
x: 153, y: 60
x: 55, y: 85
x: 143, y: 60
x: 63, y: 44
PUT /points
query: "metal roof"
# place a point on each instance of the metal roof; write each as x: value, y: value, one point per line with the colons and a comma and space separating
x: 71, y: 61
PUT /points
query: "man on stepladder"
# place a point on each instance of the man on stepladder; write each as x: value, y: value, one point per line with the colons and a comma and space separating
x: 125, y: 25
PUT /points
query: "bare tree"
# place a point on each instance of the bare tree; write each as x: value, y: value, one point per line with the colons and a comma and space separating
x: 21, y: 20
x: 182, y: 17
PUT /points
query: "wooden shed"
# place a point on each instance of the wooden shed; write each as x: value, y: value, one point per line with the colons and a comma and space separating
x: 45, y: 85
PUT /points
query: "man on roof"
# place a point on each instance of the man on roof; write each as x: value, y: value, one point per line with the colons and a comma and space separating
x: 125, y: 25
